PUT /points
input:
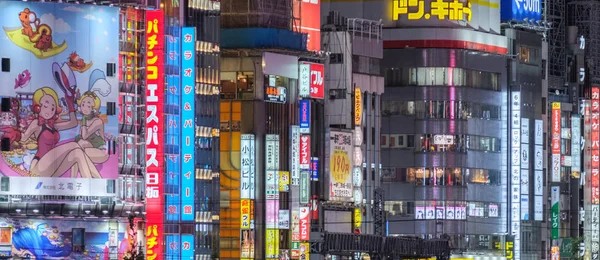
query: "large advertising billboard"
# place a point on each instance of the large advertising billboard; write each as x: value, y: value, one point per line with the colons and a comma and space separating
x: 62, y: 90
x: 340, y: 165
x: 517, y: 10
x: 309, y: 12
x: 55, y: 239
x: 188, y: 129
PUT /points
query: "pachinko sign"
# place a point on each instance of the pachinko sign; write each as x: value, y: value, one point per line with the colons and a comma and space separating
x: 154, y: 133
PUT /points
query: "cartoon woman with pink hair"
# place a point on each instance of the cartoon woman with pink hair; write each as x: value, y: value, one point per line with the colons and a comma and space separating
x: 52, y: 159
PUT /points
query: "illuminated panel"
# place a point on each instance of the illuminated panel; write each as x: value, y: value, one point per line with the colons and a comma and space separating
x: 187, y: 246
x: 538, y: 183
x: 154, y: 134
x: 442, y: 10
x: 556, y: 142
x: 187, y: 117
x: 516, y: 171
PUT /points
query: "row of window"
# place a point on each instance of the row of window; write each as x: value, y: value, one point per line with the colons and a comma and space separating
x: 446, y: 109
x: 440, y: 142
x: 442, y: 76
x: 441, y: 176
x: 442, y: 209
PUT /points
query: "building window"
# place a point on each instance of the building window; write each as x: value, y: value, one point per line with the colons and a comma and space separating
x: 461, y: 110
x: 441, y: 76
x: 445, y: 143
x: 441, y: 176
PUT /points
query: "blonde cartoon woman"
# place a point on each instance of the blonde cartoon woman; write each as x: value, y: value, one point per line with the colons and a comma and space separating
x: 91, y: 136
x: 52, y: 159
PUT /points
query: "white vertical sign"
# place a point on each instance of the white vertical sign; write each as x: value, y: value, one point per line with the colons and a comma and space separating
x: 247, y: 166
x: 516, y: 158
x: 304, y: 80
x: 575, y: 144
x: 295, y: 154
x: 538, y: 209
x: 272, y: 152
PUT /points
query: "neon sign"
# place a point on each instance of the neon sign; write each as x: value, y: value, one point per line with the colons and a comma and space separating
x: 442, y: 10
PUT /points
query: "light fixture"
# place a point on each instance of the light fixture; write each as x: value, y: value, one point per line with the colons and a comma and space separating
x: 137, y: 212
x: 105, y: 212
x: 128, y: 212
x: 36, y: 211
x: 18, y: 210
x: 87, y: 212
x: 52, y: 212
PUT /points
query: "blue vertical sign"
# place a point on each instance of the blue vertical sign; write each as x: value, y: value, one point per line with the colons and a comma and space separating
x: 187, y: 247
x: 173, y: 246
x: 304, y: 116
x: 188, y: 92
x: 172, y: 115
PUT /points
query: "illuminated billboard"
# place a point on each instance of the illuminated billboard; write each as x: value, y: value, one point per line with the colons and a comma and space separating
x: 517, y: 10
x: 154, y: 133
x: 63, y: 90
x: 556, y: 131
x: 309, y: 12
x: 339, y: 165
x: 188, y: 133
x: 55, y: 239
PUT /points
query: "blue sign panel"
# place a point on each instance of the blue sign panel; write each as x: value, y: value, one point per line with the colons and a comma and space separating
x: 173, y: 246
x: 314, y: 168
x: 518, y: 10
x: 172, y: 115
x: 304, y: 116
x: 188, y: 81
x: 187, y: 247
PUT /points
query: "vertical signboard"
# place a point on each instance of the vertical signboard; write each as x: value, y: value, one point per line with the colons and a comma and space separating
x: 173, y: 252
x: 358, y: 109
x: 525, y: 168
x: 272, y: 243
x: 340, y: 165
x: 272, y: 152
x: 538, y: 167
x: 304, y: 116
x: 245, y: 214
x: 304, y: 187
x: 515, y: 185
x: 556, y: 131
x: 311, y: 80
x: 576, y: 146
x: 295, y: 153
x: 310, y: 22
x: 154, y: 134
x: 188, y: 82
x: 304, y: 217
x: 247, y: 158
x: 593, y: 164
x: 305, y: 152
x: 555, y: 211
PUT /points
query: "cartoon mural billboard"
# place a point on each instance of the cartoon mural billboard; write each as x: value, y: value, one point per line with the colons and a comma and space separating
x: 62, y: 87
x: 55, y: 239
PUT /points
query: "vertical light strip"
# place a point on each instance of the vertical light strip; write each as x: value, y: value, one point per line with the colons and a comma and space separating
x: 188, y: 151
x: 595, y: 173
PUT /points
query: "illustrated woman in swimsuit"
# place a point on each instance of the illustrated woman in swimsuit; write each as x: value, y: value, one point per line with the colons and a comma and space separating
x: 91, y: 137
x: 51, y: 159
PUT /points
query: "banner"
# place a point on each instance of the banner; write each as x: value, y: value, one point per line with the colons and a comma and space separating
x: 555, y: 198
x: 340, y: 169
x: 154, y: 134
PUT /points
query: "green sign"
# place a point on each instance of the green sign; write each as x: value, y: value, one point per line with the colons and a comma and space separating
x: 555, y: 197
x: 304, y: 187
x: 566, y: 248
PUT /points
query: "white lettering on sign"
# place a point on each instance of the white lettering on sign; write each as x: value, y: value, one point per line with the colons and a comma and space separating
x: 529, y: 5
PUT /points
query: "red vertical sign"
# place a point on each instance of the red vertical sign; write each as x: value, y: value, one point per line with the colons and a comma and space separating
x: 317, y: 80
x: 595, y: 147
x: 309, y: 12
x: 154, y: 133
x: 305, y: 151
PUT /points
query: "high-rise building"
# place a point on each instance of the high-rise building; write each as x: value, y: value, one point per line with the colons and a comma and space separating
x: 108, y: 143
